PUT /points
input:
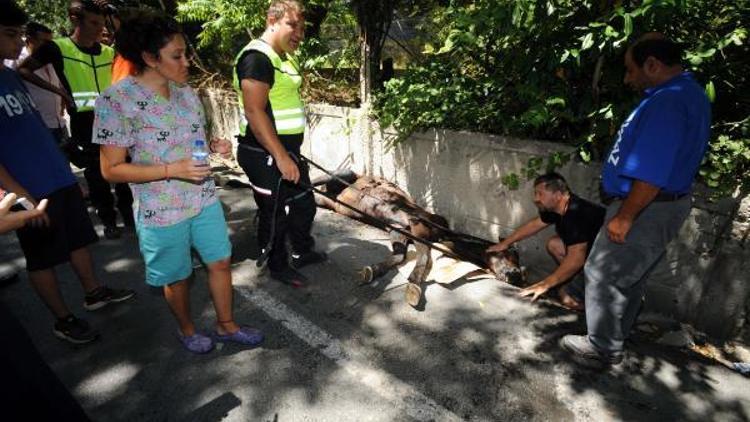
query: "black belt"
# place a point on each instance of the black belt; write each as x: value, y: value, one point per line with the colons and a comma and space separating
x: 252, y: 148
x: 288, y: 146
x: 660, y: 197
x: 667, y: 197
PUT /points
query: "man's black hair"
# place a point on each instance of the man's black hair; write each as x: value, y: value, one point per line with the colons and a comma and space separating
x: 99, y: 7
x: 12, y: 14
x: 553, y: 182
x: 662, y: 49
x: 145, y: 31
x: 35, y: 28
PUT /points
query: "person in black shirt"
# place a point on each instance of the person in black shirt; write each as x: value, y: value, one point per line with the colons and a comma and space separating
x: 269, y: 147
x: 577, y: 223
x: 88, y: 18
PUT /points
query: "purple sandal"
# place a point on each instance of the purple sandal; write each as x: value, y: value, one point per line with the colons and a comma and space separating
x: 246, y: 336
x: 197, y: 343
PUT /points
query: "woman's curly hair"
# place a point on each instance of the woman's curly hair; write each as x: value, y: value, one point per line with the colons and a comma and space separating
x: 145, y: 31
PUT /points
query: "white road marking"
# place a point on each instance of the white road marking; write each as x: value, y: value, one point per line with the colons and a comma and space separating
x: 416, y: 404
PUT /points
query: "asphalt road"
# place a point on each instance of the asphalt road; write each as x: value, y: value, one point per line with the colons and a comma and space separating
x: 337, y: 351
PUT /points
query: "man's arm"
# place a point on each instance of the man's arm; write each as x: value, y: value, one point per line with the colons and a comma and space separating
x: 116, y: 169
x: 569, y: 266
x: 15, y: 220
x: 255, y: 99
x: 11, y: 185
x: 529, y: 229
x: 38, y: 60
x: 641, y: 194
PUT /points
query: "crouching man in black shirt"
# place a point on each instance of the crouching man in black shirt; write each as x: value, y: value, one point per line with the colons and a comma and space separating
x: 577, y: 223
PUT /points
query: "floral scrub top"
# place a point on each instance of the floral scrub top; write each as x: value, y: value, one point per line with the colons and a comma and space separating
x: 156, y: 131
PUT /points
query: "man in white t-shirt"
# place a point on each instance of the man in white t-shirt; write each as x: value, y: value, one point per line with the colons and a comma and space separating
x: 49, y: 104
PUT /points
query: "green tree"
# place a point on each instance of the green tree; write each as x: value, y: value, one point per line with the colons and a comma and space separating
x: 53, y: 13
x: 227, y: 25
x: 338, y: 31
x: 552, y: 69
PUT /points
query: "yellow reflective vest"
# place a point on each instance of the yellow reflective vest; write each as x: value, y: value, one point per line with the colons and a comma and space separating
x: 87, y: 75
x: 286, y: 103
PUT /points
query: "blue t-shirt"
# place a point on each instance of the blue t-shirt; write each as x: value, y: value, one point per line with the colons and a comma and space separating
x: 663, y: 140
x: 28, y: 150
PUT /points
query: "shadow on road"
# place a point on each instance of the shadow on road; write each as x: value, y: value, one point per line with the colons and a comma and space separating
x: 475, y: 349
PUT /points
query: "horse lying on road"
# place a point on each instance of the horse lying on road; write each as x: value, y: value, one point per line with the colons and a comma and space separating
x: 383, y: 202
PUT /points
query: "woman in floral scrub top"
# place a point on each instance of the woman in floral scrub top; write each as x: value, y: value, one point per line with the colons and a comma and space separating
x: 154, y: 117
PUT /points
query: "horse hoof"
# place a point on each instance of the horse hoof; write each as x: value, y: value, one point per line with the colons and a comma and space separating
x: 366, y: 275
x: 413, y: 294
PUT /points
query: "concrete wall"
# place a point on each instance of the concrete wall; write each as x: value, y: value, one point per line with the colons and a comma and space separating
x: 703, y: 279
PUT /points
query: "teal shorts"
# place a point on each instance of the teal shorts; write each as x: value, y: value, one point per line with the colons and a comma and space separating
x: 166, y: 250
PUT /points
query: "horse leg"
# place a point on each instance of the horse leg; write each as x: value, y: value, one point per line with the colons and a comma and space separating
x: 418, y: 275
x: 399, y: 247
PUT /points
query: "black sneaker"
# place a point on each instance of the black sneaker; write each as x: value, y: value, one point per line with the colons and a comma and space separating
x: 128, y: 221
x: 308, y: 258
x: 290, y: 276
x: 112, y: 232
x: 74, y: 330
x: 8, y: 279
x: 103, y: 296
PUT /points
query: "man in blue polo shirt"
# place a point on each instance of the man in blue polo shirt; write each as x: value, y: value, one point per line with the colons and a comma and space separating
x: 32, y: 167
x: 648, y: 176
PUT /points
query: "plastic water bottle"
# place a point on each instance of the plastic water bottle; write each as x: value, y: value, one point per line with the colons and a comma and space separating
x: 200, y: 153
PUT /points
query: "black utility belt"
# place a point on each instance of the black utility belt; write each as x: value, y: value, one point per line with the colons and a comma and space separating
x: 252, y: 148
x: 660, y: 197
x: 256, y: 148
x: 265, y: 153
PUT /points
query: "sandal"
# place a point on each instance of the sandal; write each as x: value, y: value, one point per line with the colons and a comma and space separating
x: 246, y: 336
x: 197, y: 343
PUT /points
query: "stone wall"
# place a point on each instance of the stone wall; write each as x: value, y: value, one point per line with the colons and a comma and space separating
x: 703, y: 279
